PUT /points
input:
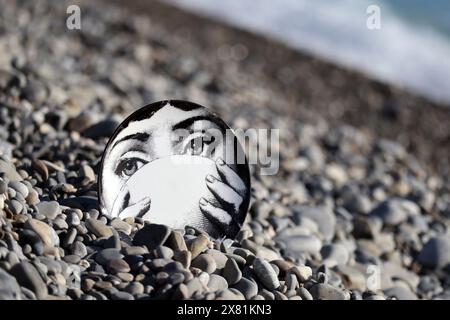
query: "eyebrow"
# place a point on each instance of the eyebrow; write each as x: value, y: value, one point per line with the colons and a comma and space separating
x: 190, y: 121
x: 141, y: 136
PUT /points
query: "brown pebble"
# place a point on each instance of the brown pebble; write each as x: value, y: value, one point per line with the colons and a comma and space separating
x: 126, y: 277
x: 41, y: 168
x: 198, y: 245
x: 176, y: 241
x: 118, y: 265
x: 184, y: 257
x: 98, y: 228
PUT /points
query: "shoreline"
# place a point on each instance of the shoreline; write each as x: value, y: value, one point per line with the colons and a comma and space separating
x: 318, y: 89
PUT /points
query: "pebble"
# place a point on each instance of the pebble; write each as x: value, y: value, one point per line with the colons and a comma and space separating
x: 204, y: 262
x: 323, y: 291
x: 334, y: 254
x: 28, y: 277
x: 50, y: 209
x: 44, y: 231
x: 106, y: 255
x: 15, y: 206
x: 73, y: 219
x: 135, y: 288
x: 121, y: 295
x: 79, y: 249
x: 9, y: 170
x: 400, y: 293
x: 352, y: 277
x: 135, y: 251
x: 3, y: 186
x: 322, y: 216
x: 41, y: 168
x: 72, y: 258
x: 301, y: 244
x: 231, y: 272
x: 395, y: 211
x: 181, y: 293
x: 122, y: 226
x: 151, y: 236
x: 266, y: 274
x: 88, y: 173
x: 291, y: 282
x: 304, y: 294
x: 184, y: 257
x: 217, y: 282
x: 198, y: 245
x: 98, y: 228
x: 248, y: 288
x: 435, y: 253
x: 219, y: 257
x: 101, y: 129
x: 117, y: 266
x: 303, y: 273
x: 9, y: 288
x: 176, y: 241
x: 19, y: 187
x: 193, y: 286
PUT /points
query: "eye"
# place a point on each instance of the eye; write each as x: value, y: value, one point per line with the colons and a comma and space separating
x: 199, y: 145
x: 127, y: 167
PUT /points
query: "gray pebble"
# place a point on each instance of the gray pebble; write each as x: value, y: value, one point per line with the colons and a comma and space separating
x: 304, y: 294
x: 204, y: 262
x: 323, y: 291
x: 9, y: 288
x: 323, y: 216
x: 436, y: 252
x: 400, y: 293
x: 72, y: 219
x: 135, y: 288
x: 121, y: 295
x: 247, y: 287
x: 231, y: 272
x: 27, y: 276
x: 106, y: 255
x: 79, y: 249
x: 334, y: 254
x: 266, y: 274
x: 217, y: 282
x: 395, y: 211
x: 19, y: 187
x: 9, y: 170
x: 301, y: 244
x: 15, y: 206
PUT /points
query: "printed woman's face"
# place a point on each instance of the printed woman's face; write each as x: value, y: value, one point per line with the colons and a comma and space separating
x: 169, y: 133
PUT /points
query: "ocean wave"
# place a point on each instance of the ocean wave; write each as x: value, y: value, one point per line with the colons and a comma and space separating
x: 404, y: 53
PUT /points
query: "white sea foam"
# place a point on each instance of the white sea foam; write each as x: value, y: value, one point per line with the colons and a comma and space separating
x: 403, y: 53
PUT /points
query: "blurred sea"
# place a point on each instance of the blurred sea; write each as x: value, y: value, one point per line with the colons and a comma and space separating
x: 411, y: 50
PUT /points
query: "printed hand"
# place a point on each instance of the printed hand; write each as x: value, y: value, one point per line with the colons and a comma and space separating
x: 229, y: 191
x: 122, y: 209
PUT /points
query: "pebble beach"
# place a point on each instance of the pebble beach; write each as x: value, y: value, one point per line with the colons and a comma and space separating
x: 359, y: 210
